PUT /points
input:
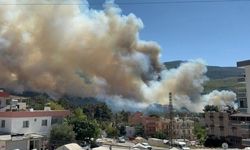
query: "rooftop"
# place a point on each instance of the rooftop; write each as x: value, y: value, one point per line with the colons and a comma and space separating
x: 35, y: 113
x: 243, y: 63
x: 4, y: 94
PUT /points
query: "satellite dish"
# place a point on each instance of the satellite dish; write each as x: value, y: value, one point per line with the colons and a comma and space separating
x: 224, y: 145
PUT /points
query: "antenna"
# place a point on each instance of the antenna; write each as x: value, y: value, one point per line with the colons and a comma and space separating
x: 171, y: 119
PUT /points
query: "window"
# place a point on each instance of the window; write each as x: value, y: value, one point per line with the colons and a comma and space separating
x: 25, y: 124
x: 44, y: 122
x: 2, y: 123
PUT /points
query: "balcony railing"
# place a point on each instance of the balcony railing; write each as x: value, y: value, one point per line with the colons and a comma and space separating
x: 241, y: 95
x: 241, y: 79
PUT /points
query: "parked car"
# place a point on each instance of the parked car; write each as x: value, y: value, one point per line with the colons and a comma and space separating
x: 143, y: 146
x: 121, y: 140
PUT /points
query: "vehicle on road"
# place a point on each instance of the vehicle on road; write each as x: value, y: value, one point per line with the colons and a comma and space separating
x: 121, y: 140
x: 143, y: 146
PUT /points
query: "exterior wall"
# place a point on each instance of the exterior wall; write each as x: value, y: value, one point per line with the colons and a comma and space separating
x: 218, y: 123
x: 15, y: 125
x: 20, y: 144
x: 130, y: 131
x: 8, y: 124
x: 135, y: 118
x: 35, y: 125
x: 183, y: 129
x: 247, y: 72
x: 2, y: 145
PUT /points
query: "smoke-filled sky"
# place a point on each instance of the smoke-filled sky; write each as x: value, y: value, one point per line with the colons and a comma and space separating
x: 72, y: 50
x: 195, y: 30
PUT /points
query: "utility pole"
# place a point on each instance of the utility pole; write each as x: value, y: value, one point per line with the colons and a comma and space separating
x: 171, y: 119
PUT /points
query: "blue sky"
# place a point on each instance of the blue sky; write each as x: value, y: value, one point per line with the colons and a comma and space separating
x: 217, y: 32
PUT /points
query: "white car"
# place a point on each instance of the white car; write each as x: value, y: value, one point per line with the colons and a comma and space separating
x: 142, y: 146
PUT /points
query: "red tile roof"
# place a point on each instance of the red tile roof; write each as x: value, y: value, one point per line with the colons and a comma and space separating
x: 20, y: 114
x: 4, y: 94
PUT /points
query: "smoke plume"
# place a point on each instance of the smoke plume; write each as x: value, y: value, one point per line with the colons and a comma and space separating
x: 78, y: 51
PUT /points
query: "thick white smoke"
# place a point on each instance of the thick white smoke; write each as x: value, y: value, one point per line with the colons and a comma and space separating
x: 73, y: 50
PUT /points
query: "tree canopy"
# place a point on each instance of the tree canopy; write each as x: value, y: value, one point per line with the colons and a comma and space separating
x: 61, y: 134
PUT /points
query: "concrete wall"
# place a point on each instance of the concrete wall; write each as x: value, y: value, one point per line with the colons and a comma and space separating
x: 247, y: 72
x: 15, y: 125
x: 218, y: 123
x: 20, y: 144
x: 7, y: 127
x: 35, y: 125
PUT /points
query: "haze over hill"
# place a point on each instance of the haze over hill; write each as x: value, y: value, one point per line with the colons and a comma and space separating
x: 221, y: 78
x: 213, y: 72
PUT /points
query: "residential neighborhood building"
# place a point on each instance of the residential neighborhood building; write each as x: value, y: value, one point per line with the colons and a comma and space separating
x: 27, y: 127
x: 232, y: 127
x: 243, y: 93
x: 182, y: 127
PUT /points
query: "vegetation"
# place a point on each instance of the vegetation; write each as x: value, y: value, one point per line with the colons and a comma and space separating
x: 122, y: 130
x: 200, y: 133
x: 139, y: 130
x: 61, y: 134
x: 160, y: 135
x: 84, y: 128
x: 111, y: 131
x: 208, y: 108
x: 55, y: 106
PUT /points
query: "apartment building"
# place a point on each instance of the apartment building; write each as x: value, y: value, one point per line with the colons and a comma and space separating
x: 150, y: 124
x: 232, y: 127
x: 182, y: 128
x: 26, y: 127
x: 243, y: 94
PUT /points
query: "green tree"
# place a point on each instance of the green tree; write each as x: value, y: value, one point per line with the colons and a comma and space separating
x: 55, y: 106
x: 85, y: 130
x: 102, y: 112
x: 122, y: 130
x: 160, y: 135
x: 139, y: 130
x: 111, y: 131
x: 208, y: 108
x: 200, y: 133
x: 61, y: 134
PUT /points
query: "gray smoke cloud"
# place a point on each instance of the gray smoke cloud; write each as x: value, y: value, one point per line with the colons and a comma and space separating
x: 73, y: 50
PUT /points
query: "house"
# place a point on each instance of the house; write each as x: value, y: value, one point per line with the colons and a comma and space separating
x: 27, y: 127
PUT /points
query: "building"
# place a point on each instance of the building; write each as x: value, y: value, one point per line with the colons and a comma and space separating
x: 231, y: 127
x: 22, y: 126
x: 182, y: 128
x: 243, y: 93
x: 150, y: 124
x: 130, y: 131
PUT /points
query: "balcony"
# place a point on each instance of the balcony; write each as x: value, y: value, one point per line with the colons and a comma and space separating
x: 241, y: 95
x: 241, y: 80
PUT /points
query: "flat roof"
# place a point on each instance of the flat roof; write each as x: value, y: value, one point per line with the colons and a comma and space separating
x: 243, y: 63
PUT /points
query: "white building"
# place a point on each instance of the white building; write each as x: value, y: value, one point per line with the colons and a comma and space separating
x: 27, y: 127
x: 243, y: 94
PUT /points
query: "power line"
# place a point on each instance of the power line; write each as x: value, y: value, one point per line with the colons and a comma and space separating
x: 135, y: 3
